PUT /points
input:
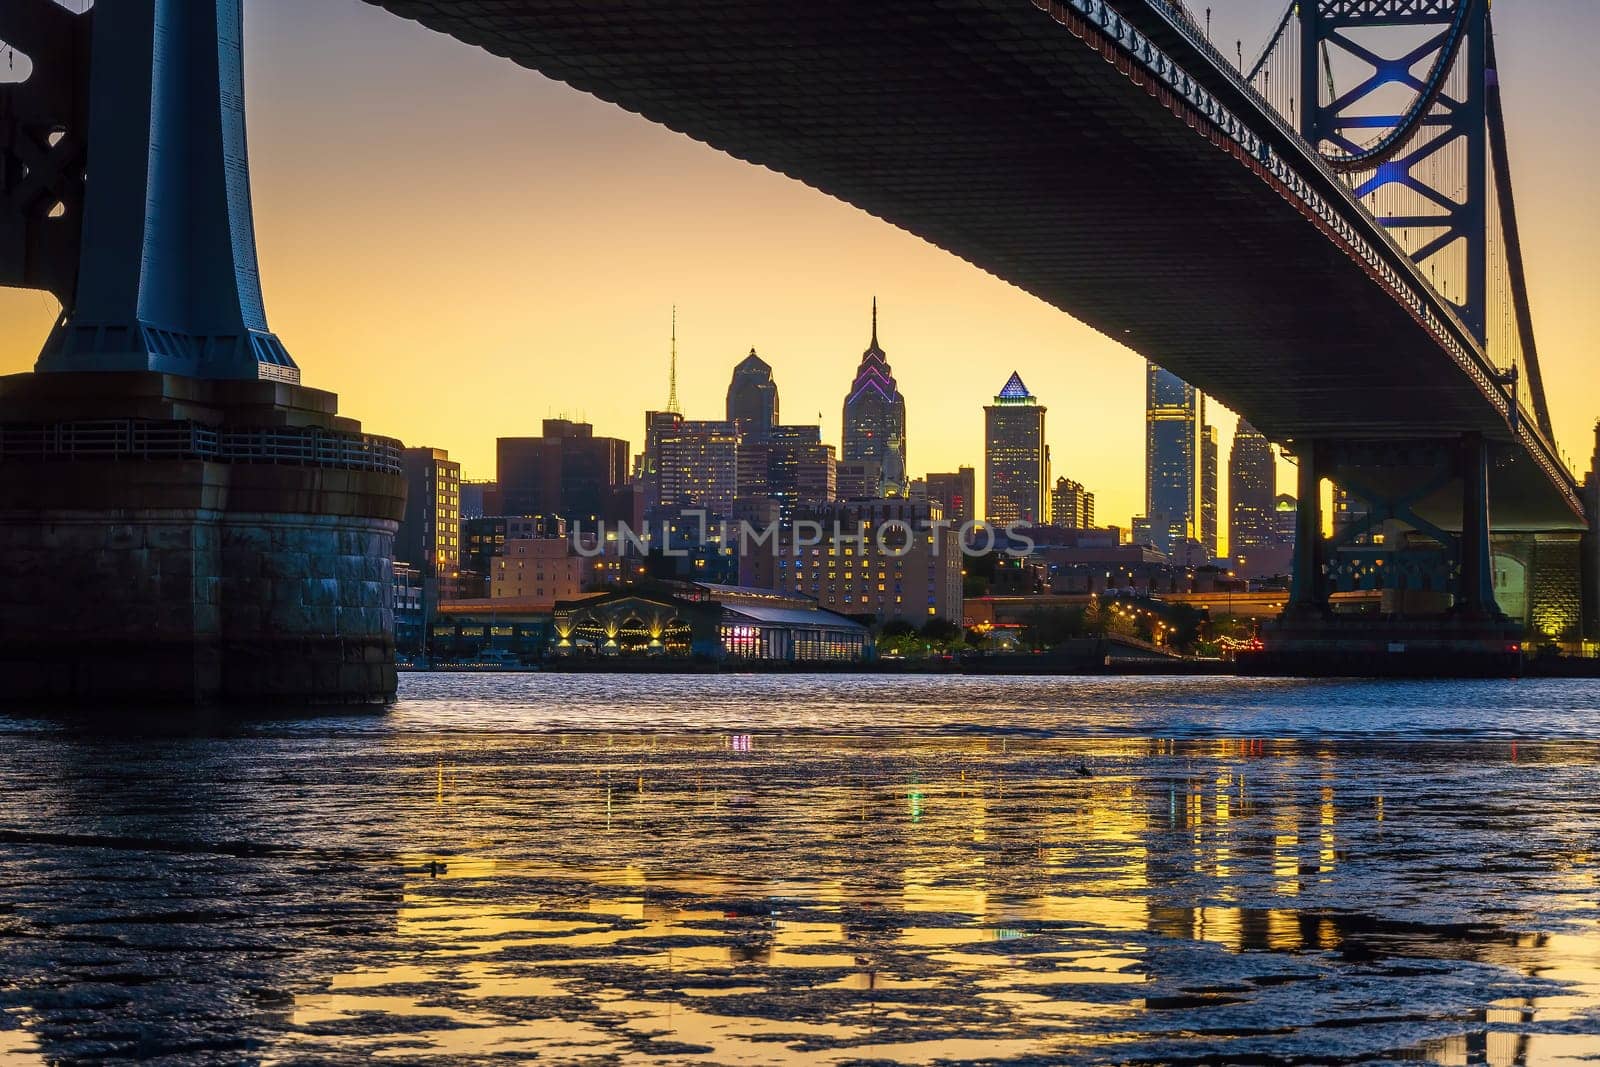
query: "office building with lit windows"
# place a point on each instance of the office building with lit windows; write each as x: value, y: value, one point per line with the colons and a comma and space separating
x: 429, y: 537
x: 854, y: 571
x: 1210, y: 475
x: 957, y: 493
x: 1071, y: 506
x: 1174, y: 460
x: 1016, y: 462
x: 875, y: 426
x: 700, y: 467
x: 1252, y: 501
x: 789, y: 465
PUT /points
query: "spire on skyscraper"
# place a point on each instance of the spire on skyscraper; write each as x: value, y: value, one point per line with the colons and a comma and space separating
x: 874, y: 321
x: 672, y: 378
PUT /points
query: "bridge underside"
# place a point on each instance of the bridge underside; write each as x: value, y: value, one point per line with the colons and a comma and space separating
x: 992, y: 130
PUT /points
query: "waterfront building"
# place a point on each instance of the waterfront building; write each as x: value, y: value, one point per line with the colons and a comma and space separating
x: 699, y: 467
x: 1174, y: 415
x: 956, y: 493
x: 875, y: 422
x: 1071, y: 506
x: 429, y: 537
x: 1016, y: 462
x: 753, y: 398
x: 567, y: 471
x: 708, y: 621
x: 863, y: 562
x: 406, y: 601
x: 790, y: 465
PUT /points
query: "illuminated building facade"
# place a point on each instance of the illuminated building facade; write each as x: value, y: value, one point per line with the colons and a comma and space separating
x: 700, y: 467
x: 1209, y: 478
x: 536, y: 571
x: 858, y: 572
x: 1071, y: 506
x: 875, y: 424
x: 1252, y: 491
x: 708, y: 621
x: 429, y: 537
x: 1016, y: 463
x: 957, y: 493
x: 1174, y: 417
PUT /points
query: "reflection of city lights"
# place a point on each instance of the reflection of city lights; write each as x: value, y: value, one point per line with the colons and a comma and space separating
x: 741, y: 743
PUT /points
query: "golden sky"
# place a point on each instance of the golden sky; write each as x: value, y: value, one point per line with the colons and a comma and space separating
x: 460, y: 248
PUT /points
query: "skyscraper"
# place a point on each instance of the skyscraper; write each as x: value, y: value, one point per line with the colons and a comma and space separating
x: 753, y: 397
x: 790, y: 465
x: 1172, y: 458
x: 567, y: 472
x: 1071, y: 505
x: 958, y: 493
x: 875, y: 419
x: 1016, y: 465
x: 1252, y: 493
x: 657, y: 424
x: 700, y: 466
x: 1209, y: 477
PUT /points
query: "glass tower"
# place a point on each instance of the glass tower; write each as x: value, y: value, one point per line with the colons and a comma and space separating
x: 1015, y: 457
x: 1174, y: 415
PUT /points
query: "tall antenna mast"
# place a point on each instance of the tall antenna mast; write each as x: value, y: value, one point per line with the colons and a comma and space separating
x: 672, y: 388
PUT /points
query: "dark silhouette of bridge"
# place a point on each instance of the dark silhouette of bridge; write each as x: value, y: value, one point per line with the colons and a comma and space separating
x: 1100, y: 154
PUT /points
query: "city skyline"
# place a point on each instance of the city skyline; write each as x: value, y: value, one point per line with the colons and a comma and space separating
x: 375, y: 277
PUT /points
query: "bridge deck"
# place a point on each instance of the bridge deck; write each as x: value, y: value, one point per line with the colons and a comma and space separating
x: 990, y: 129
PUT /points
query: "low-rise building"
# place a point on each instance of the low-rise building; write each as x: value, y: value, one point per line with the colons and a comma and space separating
x: 539, y: 570
x: 708, y: 621
x: 891, y: 559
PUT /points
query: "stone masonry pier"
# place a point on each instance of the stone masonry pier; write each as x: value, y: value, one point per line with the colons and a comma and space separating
x: 175, y: 541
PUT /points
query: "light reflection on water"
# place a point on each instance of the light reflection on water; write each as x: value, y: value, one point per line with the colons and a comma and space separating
x: 901, y: 870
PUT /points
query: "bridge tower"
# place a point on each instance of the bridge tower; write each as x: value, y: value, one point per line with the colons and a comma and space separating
x: 1401, y: 98
x: 180, y: 520
x: 1421, y: 94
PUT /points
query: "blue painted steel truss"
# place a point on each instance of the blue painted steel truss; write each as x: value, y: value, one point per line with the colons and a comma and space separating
x: 1347, y: 122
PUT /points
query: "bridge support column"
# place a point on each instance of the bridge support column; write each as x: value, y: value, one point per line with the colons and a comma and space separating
x: 1308, y: 594
x: 181, y: 522
x: 1475, y: 589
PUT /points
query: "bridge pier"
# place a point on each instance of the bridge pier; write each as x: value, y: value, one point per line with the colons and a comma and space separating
x: 1475, y: 584
x: 181, y: 522
x: 1308, y: 599
x: 1436, y: 610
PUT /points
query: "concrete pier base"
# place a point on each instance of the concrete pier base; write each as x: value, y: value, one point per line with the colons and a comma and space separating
x: 174, y: 541
x: 1360, y: 646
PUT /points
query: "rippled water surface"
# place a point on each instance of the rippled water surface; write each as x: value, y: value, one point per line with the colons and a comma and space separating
x: 832, y: 870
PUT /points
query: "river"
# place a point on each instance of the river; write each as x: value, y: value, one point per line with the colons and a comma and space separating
x: 815, y: 869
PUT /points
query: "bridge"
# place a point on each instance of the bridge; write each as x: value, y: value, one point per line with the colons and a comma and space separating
x: 1100, y: 154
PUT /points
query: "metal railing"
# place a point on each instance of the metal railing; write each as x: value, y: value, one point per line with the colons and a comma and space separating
x: 142, y: 439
